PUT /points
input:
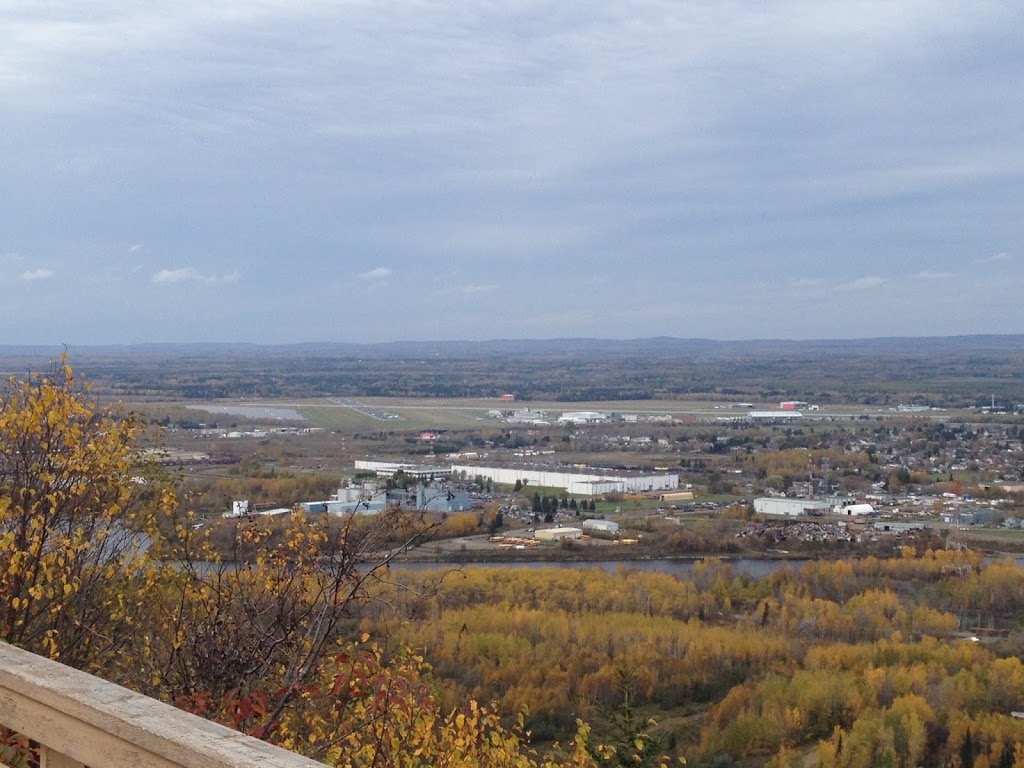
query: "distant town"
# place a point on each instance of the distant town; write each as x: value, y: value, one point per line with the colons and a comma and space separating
x: 783, y: 477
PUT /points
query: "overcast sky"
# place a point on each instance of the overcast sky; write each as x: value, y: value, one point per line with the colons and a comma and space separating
x: 295, y: 170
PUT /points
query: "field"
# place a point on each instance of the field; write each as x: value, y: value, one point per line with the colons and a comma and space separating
x: 388, y: 413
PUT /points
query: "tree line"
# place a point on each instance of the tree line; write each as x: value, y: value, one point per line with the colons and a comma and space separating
x: 845, y: 663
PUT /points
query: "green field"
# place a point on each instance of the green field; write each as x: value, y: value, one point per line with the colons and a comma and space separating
x: 424, y: 413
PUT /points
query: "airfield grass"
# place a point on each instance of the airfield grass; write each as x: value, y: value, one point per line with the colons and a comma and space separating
x: 457, y: 413
x: 472, y: 414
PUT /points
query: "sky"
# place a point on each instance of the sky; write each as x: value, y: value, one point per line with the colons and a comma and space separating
x: 288, y: 171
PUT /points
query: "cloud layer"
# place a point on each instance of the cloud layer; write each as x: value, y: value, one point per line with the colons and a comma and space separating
x: 450, y: 170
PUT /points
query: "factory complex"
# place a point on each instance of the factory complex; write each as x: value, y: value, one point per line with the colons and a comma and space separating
x: 373, y: 497
x: 577, y: 481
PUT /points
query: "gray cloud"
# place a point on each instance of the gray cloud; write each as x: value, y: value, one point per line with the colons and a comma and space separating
x: 665, y: 148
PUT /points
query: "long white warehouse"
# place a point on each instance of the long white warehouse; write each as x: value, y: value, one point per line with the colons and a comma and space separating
x: 591, y: 483
x: 586, y: 483
x: 791, y: 507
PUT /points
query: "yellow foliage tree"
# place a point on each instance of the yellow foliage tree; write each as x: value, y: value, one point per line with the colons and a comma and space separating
x: 74, y: 493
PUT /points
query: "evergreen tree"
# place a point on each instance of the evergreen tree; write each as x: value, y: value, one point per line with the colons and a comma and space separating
x: 967, y: 751
x: 1006, y: 759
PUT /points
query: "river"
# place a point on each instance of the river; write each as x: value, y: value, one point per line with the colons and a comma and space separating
x: 752, y: 567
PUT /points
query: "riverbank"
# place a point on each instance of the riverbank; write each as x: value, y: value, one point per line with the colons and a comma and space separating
x: 552, y: 555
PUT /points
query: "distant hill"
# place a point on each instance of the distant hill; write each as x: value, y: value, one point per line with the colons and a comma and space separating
x: 937, y: 370
x: 585, y: 347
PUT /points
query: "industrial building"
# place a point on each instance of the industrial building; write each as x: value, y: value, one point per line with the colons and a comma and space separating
x: 412, y: 469
x: 245, y: 509
x: 787, y: 415
x: 586, y: 482
x: 601, y: 527
x: 967, y: 516
x: 791, y: 507
x: 362, y: 499
x: 528, y: 416
x: 334, y: 507
x: 582, y: 483
x: 372, y: 497
x: 557, y: 534
x: 855, y: 510
x: 437, y: 498
x: 582, y: 417
x: 891, y: 527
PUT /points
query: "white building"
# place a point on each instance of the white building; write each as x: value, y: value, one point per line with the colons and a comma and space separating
x: 361, y: 499
x: 775, y: 415
x: 582, y: 417
x: 592, y: 482
x: 791, y: 507
x: 855, y: 510
x: 418, y: 471
x: 361, y: 492
x: 245, y: 509
x: 601, y: 527
x: 528, y: 416
x: 584, y: 483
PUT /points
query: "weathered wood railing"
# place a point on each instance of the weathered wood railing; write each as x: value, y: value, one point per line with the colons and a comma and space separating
x: 80, y: 720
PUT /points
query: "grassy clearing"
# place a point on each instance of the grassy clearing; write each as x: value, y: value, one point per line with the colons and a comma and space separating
x: 336, y: 417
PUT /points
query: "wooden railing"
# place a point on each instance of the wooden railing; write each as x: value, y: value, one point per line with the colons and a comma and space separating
x: 80, y: 720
